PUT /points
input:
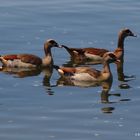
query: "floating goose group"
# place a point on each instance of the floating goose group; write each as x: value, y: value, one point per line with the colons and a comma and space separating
x: 73, y: 73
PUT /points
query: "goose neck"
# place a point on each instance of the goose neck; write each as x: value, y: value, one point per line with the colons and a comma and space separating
x: 121, y: 41
x: 106, y: 67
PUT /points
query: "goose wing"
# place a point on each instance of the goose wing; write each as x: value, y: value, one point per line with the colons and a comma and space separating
x: 26, y: 58
x: 95, y: 51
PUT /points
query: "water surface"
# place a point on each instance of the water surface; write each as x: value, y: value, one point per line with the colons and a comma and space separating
x: 34, y: 106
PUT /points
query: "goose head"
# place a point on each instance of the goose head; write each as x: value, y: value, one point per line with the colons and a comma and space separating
x: 126, y: 32
x: 51, y: 43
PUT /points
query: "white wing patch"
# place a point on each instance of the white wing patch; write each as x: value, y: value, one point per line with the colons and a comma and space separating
x: 19, y: 63
x: 83, y: 77
x: 93, y: 57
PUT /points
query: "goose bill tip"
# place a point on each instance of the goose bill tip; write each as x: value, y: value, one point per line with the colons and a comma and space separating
x: 134, y: 35
x: 60, y: 46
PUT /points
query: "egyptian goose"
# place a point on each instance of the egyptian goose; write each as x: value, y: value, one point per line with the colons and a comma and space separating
x: 30, y: 60
x: 89, y: 74
x: 96, y: 54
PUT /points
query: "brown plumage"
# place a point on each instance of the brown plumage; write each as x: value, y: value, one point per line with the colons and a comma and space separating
x: 26, y: 58
x: 88, y: 73
x: 97, y: 54
x: 30, y: 60
x: 96, y: 51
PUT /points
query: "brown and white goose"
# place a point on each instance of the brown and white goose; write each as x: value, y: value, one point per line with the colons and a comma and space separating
x: 30, y: 60
x: 89, y: 74
x: 96, y: 54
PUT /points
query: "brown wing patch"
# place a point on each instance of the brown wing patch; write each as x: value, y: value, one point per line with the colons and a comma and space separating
x: 29, y: 58
x: 10, y: 57
x: 95, y: 51
x: 68, y: 70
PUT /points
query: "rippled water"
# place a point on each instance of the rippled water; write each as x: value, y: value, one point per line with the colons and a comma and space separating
x: 34, y: 106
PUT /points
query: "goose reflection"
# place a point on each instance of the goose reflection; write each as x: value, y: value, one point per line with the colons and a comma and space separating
x: 120, y: 72
x: 25, y: 72
x: 20, y: 73
x: 66, y: 81
x: 104, y: 95
x: 46, y: 81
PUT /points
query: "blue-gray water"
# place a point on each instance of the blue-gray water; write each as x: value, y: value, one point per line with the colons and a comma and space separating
x: 30, y: 109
